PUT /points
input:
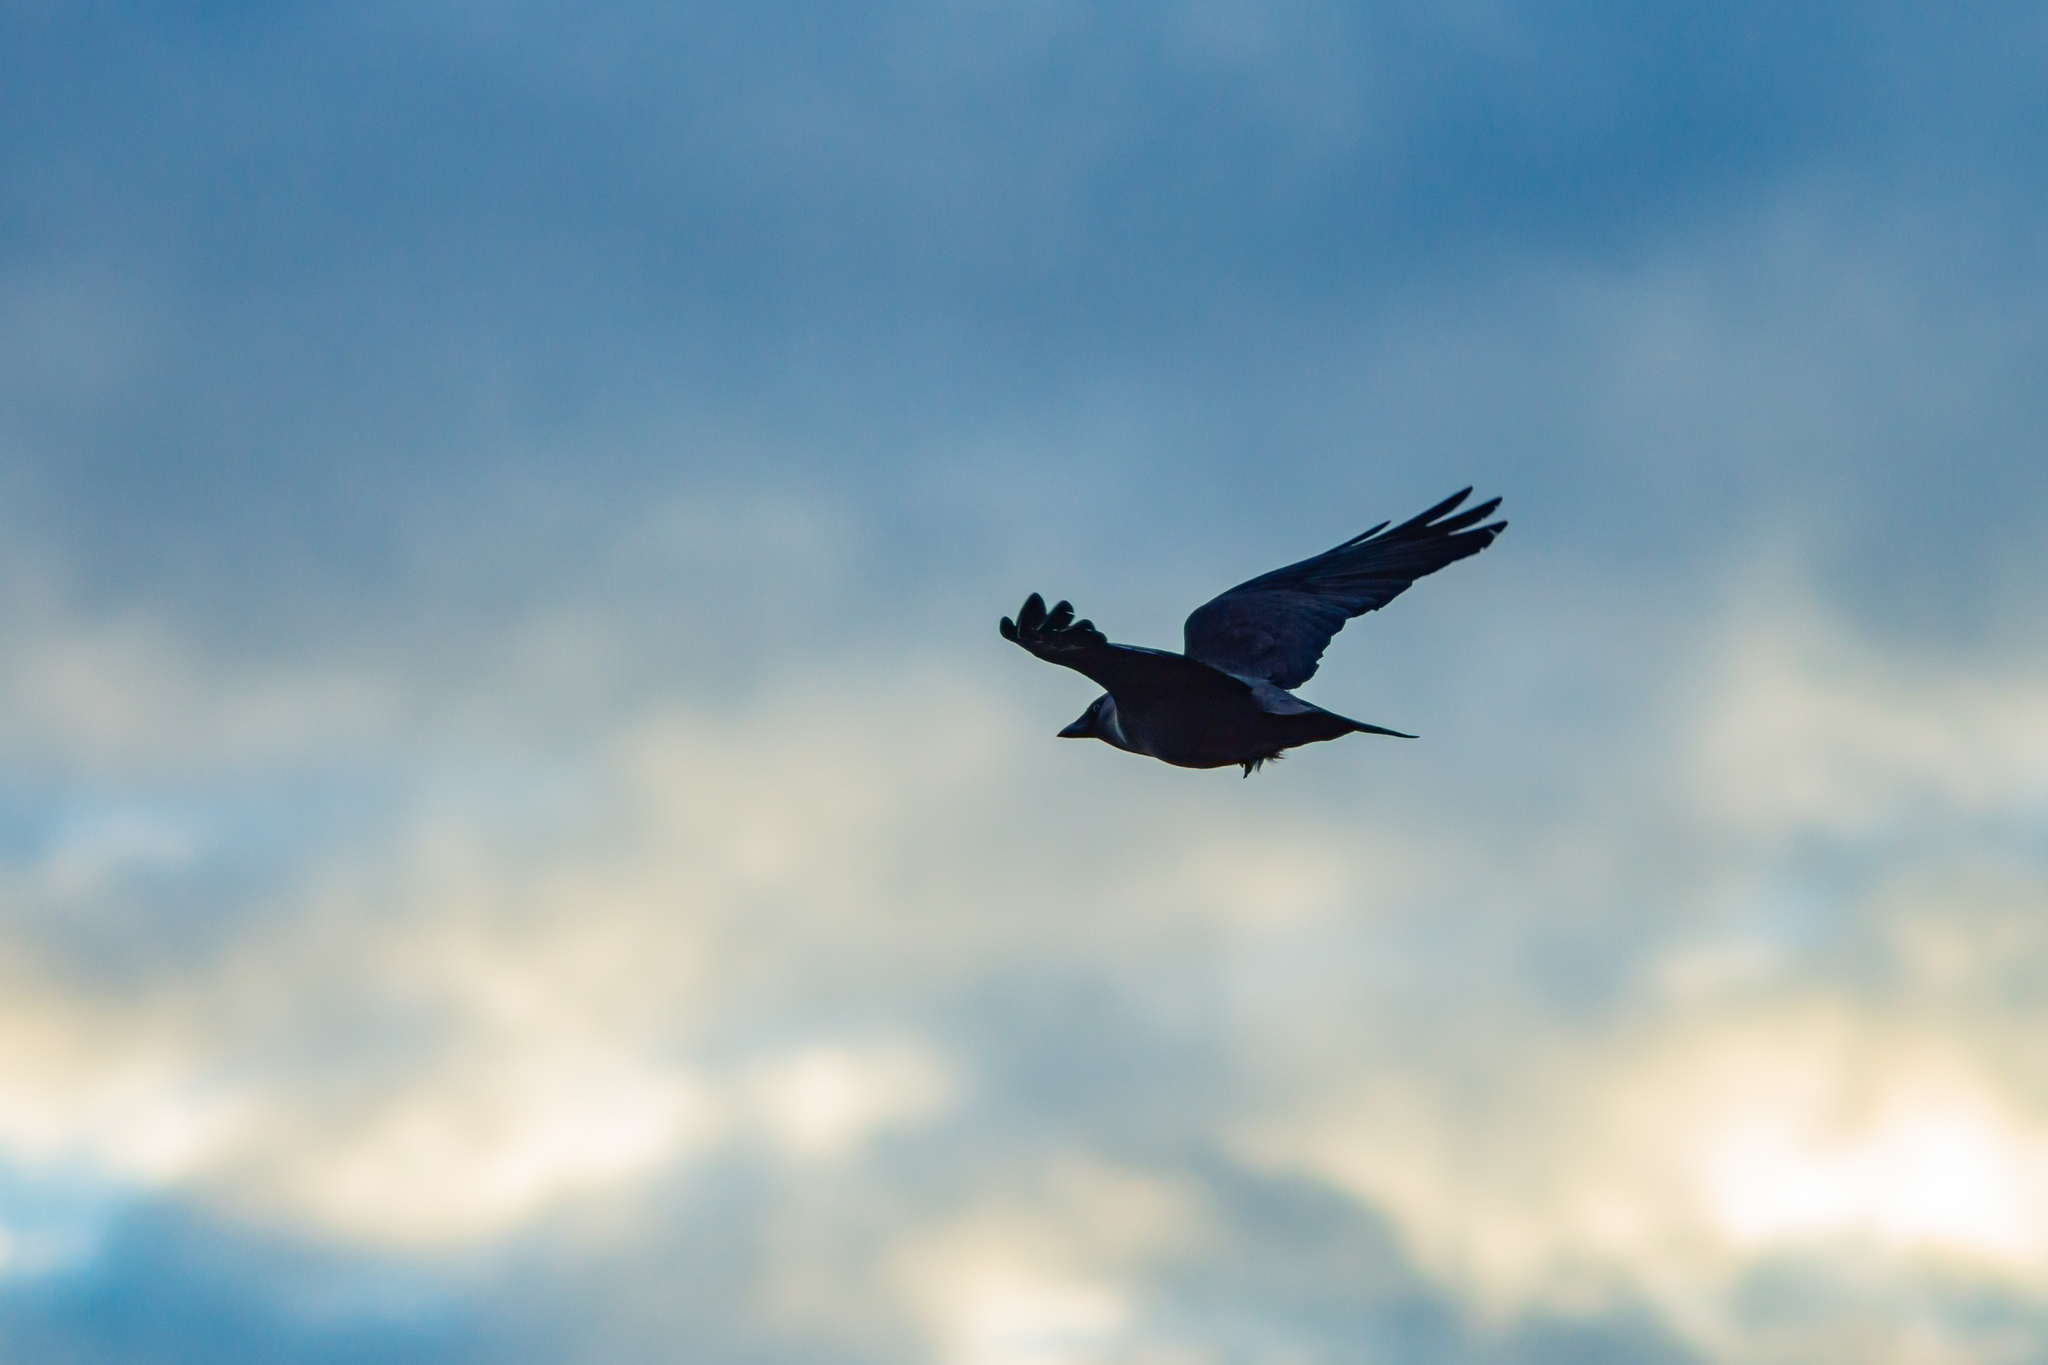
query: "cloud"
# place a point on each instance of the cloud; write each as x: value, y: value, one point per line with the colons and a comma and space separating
x: 1810, y: 731
x: 824, y: 1100
x: 787, y: 931
x: 1042, y: 1279
x: 518, y: 838
x: 1813, y: 1065
x: 751, y: 930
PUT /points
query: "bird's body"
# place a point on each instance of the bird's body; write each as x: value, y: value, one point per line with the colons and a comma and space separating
x: 1226, y: 700
x: 1207, y: 719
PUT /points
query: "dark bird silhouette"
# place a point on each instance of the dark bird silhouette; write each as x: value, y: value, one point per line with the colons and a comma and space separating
x: 1227, y: 699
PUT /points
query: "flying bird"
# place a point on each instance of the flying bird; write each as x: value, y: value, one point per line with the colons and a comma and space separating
x: 1229, y: 697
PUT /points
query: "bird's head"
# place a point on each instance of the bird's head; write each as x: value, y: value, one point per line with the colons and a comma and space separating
x: 1099, y: 721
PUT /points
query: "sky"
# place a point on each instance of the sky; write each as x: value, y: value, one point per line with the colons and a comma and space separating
x: 520, y: 840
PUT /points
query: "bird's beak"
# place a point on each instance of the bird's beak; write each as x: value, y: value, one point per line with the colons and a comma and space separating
x: 1078, y: 730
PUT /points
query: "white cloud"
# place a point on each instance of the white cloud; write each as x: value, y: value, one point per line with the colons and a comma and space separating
x: 1040, y: 1276
x: 736, y: 934
x: 1847, y: 1077
x: 458, y: 1156
x: 1805, y: 728
x: 127, y: 692
x: 821, y: 1101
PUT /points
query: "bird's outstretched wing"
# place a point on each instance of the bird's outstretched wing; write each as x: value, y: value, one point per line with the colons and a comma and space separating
x: 1277, y: 625
x: 1127, y: 672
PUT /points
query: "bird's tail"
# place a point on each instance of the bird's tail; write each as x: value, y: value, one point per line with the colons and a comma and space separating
x: 1357, y: 726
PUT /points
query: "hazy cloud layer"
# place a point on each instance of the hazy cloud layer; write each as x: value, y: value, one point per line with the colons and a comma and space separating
x: 519, y: 839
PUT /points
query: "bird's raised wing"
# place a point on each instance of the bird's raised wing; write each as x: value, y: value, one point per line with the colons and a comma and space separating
x: 1276, y: 626
x: 1126, y: 672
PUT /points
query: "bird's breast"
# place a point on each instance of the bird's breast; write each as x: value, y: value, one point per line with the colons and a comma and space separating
x: 1202, y: 730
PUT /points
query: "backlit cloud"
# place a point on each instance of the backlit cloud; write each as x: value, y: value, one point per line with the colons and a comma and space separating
x: 519, y: 838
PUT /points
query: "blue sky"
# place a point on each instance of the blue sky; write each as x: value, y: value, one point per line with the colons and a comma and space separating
x: 519, y: 838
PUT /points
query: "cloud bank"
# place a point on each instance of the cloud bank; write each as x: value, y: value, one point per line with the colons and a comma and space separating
x: 521, y: 841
